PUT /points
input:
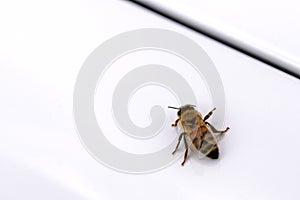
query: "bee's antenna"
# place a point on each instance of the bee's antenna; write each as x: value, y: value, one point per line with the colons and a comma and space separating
x: 173, y: 107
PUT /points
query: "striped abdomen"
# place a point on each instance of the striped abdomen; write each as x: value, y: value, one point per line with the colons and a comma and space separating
x: 204, y: 141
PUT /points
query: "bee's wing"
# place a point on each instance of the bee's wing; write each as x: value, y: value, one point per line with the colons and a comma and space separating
x: 217, y: 135
x: 209, y: 146
x: 192, y: 130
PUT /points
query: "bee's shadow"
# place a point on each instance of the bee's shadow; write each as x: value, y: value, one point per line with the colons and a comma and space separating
x: 199, y: 163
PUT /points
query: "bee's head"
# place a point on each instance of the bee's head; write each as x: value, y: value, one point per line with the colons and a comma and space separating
x: 182, y: 109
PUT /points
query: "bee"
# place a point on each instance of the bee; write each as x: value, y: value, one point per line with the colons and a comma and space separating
x: 198, y: 134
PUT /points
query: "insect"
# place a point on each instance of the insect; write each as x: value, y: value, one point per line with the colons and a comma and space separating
x: 198, y: 134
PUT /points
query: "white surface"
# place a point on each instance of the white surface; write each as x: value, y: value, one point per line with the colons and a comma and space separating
x: 42, y: 49
x: 268, y: 26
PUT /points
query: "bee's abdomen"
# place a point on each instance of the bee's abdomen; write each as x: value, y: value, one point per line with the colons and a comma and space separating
x: 205, y: 142
x: 199, y: 136
x: 198, y: 140
x: 214, y: 153
x: 210, y: 149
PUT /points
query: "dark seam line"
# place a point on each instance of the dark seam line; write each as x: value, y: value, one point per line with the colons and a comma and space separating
x: 219, y: 39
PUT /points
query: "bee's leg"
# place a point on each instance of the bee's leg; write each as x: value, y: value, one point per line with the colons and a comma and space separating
x: 176, y: 122
x: 209, y: 114
x: 179, y: 139
x: 215, y: 130
x: 186, y: 152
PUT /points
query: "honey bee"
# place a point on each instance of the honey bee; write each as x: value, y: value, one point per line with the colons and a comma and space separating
x: 198, y: 134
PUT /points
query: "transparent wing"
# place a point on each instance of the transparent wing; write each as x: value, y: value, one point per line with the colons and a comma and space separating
x: 209, y: 146
x: 218, y: 134
x: 203, y: 141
